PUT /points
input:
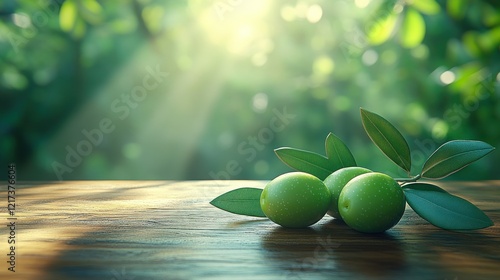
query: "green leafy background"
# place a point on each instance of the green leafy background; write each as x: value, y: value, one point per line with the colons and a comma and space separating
x: 429, y: 67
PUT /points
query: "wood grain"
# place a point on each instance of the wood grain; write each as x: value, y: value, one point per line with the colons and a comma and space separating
x: 167, y: 230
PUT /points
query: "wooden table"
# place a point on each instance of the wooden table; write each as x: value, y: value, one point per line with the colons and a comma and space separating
x: 167, y: 230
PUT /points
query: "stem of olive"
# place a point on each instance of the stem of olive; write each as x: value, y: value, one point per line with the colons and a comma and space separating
x: 408, y: 180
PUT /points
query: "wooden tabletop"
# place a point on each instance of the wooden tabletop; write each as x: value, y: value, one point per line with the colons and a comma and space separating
x: 168, y: 230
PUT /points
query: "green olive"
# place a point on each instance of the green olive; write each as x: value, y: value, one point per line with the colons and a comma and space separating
x: 336, y: 182
x: 372, y: 202
x: 295, y: 200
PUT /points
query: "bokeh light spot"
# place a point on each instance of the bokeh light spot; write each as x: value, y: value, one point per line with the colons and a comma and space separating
x: 132, y: 150
x: 420, y: 52
x: 259, y: 102
x: 226, y: 139
x: 416, y: 112
x: 440, y: 130
x: 288, y: 13
x: 389, y: 57
x: 342, y: 103
x: 21, y: 20
x: 259, y: 59
x: 323, y: 65
x: 398, y: 8
x: 361, y: 3
x: 320, y: 93
x: 301, y: 9
x: 261, y: 167
x: 314, y: 13
x: 447, y: 77
x: 369, y: 57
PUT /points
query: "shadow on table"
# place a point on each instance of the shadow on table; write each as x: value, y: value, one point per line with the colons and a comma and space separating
x: 467, y: 253
x: 334, y: 249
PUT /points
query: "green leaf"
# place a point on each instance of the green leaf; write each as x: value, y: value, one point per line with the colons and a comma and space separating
x: 91, y: 10
x: 79, y: 29
x: 491, y: 16
x: 243, y: 201
x: 91, y: 5
x: 429, y: 7
x: 387, y: 138
x: 381, y: 30
x: 68, y: 15
x: 443, y: 209
x: 70, y: 20
x: 413, y: 29
x: 453, y: 156
x: 338, y: 153
x: 306, y: 161
x: 457, y: 8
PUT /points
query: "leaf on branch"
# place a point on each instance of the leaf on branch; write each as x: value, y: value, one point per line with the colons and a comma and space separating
x: 306, y: 161
x: 443, y: 209
x: 338, y: 153
x: 387, y: 138
x: 242, y: 201
x: 453, y: 156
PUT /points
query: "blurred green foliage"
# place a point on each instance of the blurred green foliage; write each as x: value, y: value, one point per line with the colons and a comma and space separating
x: 85, y: 94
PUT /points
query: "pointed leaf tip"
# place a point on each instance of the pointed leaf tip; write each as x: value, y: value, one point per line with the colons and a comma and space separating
x: 305, y: 161
x: 338, y: 153
x: 443, y: 209
x: 242, y: 201
x: 387, y: 138
x: 452, y: 156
